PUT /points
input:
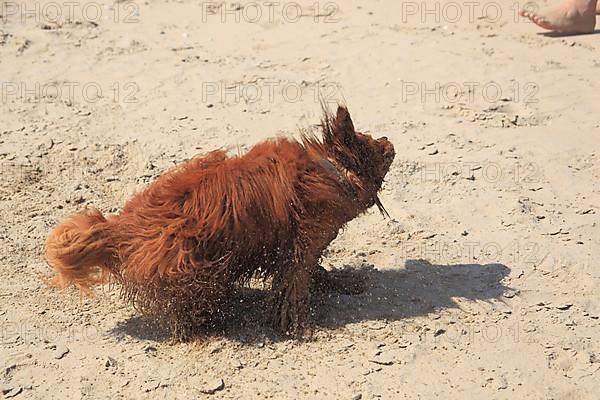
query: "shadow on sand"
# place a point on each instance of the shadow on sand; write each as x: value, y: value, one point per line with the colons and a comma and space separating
x: 392, y: 294
x: 565, y: 34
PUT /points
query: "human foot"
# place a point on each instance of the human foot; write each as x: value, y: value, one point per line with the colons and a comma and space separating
x: 572, y: 16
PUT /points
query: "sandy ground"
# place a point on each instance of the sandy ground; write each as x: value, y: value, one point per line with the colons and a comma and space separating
x: 485, y: 282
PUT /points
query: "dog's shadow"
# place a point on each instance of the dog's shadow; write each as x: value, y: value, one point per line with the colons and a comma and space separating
x: 417, y: 289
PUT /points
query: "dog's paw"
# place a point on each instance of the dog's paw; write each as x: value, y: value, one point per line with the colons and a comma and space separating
x: 290, y: 315
x: 341, y: 281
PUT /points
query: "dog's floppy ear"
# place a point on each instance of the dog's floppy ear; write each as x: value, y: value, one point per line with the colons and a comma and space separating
x: 343, y: 128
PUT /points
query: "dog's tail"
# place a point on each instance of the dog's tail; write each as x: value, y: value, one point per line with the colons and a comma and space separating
x: 81, y: 251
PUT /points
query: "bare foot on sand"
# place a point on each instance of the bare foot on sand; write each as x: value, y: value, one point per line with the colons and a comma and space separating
x: 572, y: 16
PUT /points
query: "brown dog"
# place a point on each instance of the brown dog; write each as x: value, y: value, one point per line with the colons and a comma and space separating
x: 181, y: 246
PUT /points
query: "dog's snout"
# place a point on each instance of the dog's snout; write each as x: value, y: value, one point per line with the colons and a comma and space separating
x: 389, y: 152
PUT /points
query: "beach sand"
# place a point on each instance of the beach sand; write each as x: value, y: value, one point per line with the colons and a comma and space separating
x: 483, y: 284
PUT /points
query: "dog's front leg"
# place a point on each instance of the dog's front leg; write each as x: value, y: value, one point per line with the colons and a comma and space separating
x: 291, y: 286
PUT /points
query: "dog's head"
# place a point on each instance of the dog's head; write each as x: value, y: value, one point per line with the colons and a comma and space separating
x: 365, y: 158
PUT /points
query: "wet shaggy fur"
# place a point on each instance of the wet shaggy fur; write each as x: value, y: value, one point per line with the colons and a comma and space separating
x: 180, y: 247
